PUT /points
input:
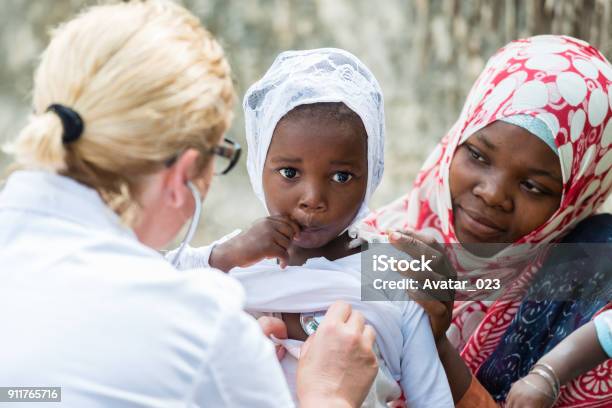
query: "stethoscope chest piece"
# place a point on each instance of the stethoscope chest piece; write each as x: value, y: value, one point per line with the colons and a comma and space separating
x: 310, y: 321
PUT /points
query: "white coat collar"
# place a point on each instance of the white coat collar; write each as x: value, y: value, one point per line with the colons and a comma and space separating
x: 59, y: 196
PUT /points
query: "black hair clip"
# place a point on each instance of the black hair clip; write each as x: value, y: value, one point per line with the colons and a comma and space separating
x: 71, y: 122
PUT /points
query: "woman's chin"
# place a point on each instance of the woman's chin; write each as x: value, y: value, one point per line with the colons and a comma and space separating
x: 484, y: 250
x: 479, y: 247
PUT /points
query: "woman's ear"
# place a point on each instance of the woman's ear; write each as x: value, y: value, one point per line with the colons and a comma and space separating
x: 183, y: 170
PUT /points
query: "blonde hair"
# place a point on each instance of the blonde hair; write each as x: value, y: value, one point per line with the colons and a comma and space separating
x: 148, y: 81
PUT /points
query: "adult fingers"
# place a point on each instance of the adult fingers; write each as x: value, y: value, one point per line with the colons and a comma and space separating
x: 369, y: 335
x: 430, y: 293
x: 412, y: 245
x: 433, y: 301
x: 356, y: 321
x: 434, y: 308
x: 439, y: 316
x: 415, y: 245
x: 338, y: 312
x: 280, y: 351
x: 420, y: 293
x: 427, y: 239
x: 273, y: 326
x: 441, y: 261
x: 307, y: 343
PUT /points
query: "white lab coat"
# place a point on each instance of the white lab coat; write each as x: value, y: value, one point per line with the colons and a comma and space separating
x: 86, y: 307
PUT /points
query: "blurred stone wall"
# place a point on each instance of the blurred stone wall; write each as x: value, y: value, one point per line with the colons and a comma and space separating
x: 425, y: 54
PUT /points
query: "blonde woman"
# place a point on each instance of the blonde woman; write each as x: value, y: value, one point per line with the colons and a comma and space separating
x: 130, y: 104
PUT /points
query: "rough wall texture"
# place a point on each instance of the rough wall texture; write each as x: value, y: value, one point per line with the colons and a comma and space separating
x: 424, y: 53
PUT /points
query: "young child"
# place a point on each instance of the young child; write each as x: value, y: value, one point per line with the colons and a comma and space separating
x: 315, y: 132
x: 540, y: 388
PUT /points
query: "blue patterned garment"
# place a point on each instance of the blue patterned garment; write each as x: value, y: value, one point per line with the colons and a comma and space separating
x: 540, y: 325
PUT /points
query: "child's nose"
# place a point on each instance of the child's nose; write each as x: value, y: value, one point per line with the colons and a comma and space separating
x: 313, y: 200
x: 492, y: 190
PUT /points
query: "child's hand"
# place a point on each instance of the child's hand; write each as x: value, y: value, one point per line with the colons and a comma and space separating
x: 529, y: 392
x: 268, y: 238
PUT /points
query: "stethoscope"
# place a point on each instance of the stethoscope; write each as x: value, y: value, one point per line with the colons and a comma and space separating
x: 193, y: 225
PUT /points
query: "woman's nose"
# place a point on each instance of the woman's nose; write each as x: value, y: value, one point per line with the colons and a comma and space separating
x: 313, y: 199
x: 492, y: 190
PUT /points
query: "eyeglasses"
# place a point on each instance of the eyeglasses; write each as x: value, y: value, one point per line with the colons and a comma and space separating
x: 226, y: 154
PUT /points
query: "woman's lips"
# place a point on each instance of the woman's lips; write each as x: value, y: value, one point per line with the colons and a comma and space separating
x: 477, y: 226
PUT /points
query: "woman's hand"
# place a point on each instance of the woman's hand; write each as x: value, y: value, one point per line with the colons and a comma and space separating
x: 337, y: 364
x: 272, y: 326
x: 567, y: 360
x: 529, y: 392
x: 269, y: 237
x: 438, y: 304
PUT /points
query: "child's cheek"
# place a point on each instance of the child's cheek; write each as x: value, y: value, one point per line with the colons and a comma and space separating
x: 275, y: 199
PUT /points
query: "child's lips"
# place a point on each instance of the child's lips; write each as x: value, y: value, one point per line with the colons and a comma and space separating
x: 306, y: 232
x: 310, y: 228
x: 307, y: 224
x: 309, y: 232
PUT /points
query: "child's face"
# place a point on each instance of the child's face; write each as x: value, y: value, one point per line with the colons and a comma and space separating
x: 504, y: 182
x: 316, y: 173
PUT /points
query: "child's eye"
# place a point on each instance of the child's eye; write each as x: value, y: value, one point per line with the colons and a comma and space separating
x: 533, y: 188
x: 288, y: 172
x: 475, y: 154
x: 342, y: 177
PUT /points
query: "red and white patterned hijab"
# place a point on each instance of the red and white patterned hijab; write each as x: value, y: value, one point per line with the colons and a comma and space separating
x: 560, y: 80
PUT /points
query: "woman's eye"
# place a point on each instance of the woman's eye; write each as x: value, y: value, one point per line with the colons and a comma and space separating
x: 288, y: 172
x: 533, y: 188
x: 341, y: 177
x: 475, y: 154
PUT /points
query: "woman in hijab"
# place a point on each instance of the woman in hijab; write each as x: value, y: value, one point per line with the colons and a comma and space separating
x: 525, y: 165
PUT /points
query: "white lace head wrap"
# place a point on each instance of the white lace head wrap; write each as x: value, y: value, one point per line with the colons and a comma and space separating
x: 306, y: 77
